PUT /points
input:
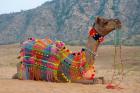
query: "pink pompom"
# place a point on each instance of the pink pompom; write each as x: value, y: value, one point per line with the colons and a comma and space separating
x: 54, y: 50
x: 33, y: 39
x: 59, y: 44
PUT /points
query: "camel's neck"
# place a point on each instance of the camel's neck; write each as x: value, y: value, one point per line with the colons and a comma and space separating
x: 92, y: 46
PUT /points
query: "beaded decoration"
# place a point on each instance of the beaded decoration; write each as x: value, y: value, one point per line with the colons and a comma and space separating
x: 96, y: 36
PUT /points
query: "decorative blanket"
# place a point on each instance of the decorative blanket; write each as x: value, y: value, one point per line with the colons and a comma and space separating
x: 51, y: 61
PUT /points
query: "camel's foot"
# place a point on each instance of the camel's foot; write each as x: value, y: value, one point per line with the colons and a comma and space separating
x: 99, y: 80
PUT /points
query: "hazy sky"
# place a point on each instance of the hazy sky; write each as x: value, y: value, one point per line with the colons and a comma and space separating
x: 7, y: 6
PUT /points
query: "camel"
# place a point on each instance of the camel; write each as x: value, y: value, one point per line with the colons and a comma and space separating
x: 44, y: 59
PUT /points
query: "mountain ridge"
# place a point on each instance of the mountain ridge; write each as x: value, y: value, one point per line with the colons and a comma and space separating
x: 70, y: 20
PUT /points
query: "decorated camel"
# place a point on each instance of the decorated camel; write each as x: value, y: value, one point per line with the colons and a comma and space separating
x: 44, y: 59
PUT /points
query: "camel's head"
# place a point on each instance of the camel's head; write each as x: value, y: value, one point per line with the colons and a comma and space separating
x: 105, y: 26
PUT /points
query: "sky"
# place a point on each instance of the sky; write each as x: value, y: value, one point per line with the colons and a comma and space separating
x: 9, y: 6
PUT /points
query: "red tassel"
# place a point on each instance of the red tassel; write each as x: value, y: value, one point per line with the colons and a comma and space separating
x: 111, y: 86
x: 92, y: 32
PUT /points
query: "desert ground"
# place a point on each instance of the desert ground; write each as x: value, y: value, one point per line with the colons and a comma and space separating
x: 129, y: 80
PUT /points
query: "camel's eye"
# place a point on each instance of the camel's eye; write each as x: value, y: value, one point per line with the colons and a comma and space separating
x: 116, y: 20
x: 105, y: 23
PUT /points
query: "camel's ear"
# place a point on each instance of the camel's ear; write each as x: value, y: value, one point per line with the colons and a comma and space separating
x: 97, y: 20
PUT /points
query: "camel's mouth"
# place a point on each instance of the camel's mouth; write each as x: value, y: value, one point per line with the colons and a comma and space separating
x: 118, y: 24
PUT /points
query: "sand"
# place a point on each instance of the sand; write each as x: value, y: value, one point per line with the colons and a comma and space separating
x: 104, y: 65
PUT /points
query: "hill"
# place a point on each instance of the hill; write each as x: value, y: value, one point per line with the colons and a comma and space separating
x: 69, y: 21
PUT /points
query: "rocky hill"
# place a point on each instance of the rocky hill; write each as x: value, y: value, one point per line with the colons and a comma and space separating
x: 69, y: 21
